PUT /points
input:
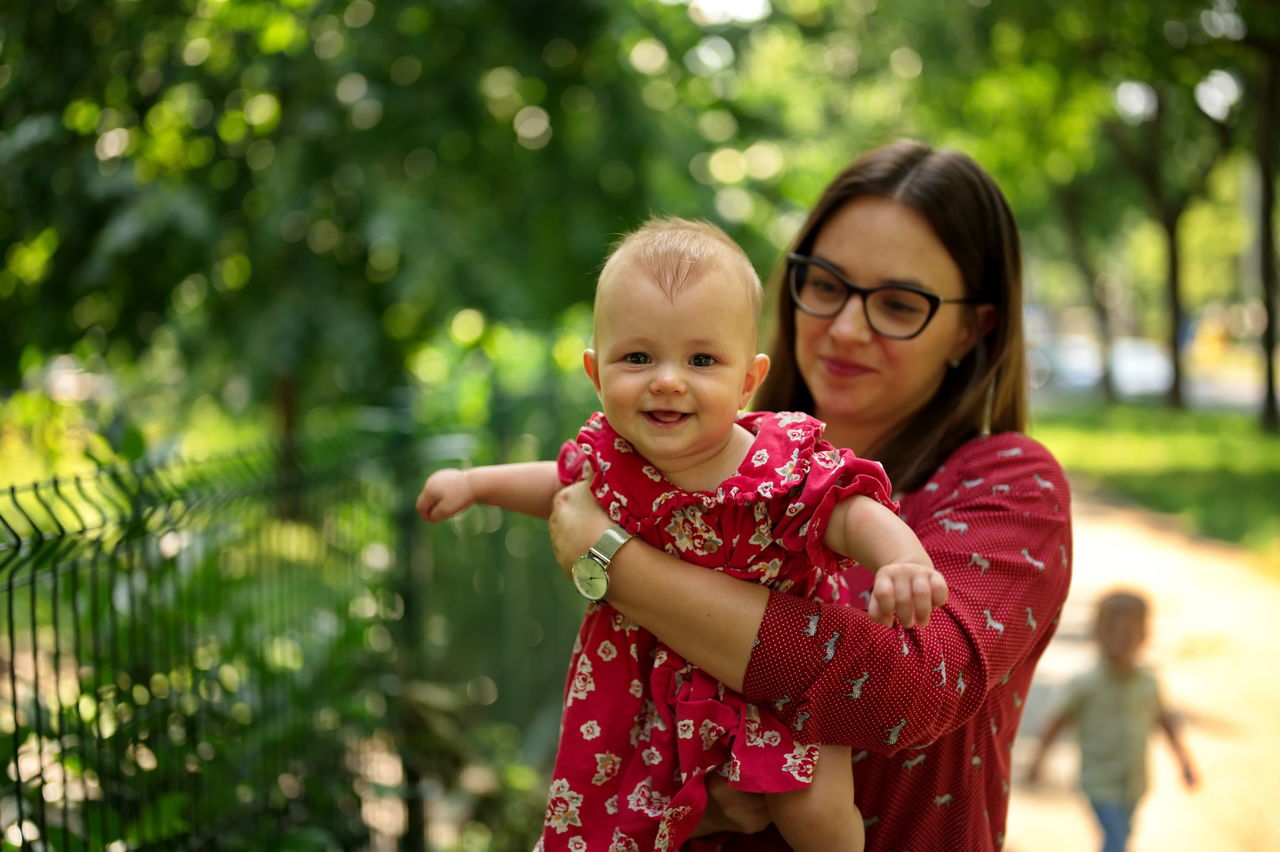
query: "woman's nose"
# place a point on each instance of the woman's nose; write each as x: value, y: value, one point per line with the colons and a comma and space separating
x: 851, y: 322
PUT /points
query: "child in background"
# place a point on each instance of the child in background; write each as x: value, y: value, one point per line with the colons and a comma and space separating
x: 759, y: 495
x: 1114, y: 707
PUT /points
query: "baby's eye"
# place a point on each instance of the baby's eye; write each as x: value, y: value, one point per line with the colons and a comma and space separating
x: 636, y: 358
x: 703, y: 360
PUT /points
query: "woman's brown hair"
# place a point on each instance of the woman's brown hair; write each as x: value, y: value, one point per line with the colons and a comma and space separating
x: 986, y: 392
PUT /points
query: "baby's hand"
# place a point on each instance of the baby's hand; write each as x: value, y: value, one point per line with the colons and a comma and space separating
x: 910, y: 590
x: 445, y: 493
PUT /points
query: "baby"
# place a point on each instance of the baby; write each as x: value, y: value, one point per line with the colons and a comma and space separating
x: 757, y: 495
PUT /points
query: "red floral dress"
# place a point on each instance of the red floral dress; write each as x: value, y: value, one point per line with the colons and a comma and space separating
x: 641, y: 727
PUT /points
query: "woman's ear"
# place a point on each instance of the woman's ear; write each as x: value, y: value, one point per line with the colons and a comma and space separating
x: 591, y: 367
x: 756, y: 371
x: 980, y: 323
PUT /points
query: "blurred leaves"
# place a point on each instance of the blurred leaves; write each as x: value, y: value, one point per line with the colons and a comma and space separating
x: 247, y: 204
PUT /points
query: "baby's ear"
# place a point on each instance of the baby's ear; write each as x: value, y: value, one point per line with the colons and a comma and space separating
x: 756, y: 371
x: 591, y: 367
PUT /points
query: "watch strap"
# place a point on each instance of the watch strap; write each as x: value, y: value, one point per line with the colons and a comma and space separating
x: 606, y: 547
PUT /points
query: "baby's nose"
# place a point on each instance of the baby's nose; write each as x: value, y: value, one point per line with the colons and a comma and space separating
x: 668, y: 380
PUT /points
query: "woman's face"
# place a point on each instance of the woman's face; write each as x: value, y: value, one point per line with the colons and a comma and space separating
x: 864, y: 385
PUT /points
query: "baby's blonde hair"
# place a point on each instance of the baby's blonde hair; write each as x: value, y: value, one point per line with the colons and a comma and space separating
x: 673, y: 252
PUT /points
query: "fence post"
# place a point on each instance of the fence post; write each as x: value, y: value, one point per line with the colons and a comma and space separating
x: 409, y: 628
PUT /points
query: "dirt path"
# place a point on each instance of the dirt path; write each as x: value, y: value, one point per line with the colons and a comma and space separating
x: 1216, y: 645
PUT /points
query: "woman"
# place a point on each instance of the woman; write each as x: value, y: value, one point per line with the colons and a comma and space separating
x: 899, y: 324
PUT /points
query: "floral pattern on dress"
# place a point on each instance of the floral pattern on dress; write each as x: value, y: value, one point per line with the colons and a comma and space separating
x: 622, y: 843
x: 607, y: 766
x: 562, y: 807
x: 801, y: 762
x: 646, y: 800
x: 582, y: 682
x: 692, y: 534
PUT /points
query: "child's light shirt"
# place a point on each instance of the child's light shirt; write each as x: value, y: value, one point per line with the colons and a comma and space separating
x: 641, y: 727
x: 1114, y: 714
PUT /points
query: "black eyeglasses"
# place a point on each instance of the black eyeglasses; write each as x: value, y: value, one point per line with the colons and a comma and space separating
x: 897, y: 311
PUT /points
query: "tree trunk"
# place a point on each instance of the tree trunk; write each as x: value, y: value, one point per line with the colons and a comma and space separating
x: 287, y: 410
x: 1069, y: 205
x: 1173, y: 295
x: 1266, y: 154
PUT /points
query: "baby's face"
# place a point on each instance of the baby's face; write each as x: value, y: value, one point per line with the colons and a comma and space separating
x: 672, y: 374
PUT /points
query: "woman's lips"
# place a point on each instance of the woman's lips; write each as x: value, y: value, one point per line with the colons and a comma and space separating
x: 842, y: 369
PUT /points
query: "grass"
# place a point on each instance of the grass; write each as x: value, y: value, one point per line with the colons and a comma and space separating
x: 1216, y: 471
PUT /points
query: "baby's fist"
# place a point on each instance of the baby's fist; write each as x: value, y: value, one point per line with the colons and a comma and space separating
x: 445, y: 493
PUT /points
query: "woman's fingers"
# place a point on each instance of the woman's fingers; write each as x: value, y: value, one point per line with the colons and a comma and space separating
x: 575, y: 524
x: 729, y: 809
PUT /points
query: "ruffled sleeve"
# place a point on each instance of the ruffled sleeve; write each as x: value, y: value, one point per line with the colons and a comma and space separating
x: 570, y: 463
x: 813, y: 476
x: 611, y: 467
x: 574, y: 462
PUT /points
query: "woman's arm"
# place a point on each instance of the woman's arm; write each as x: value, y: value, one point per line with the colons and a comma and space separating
x: 708, y: 618
x: 996, y: 523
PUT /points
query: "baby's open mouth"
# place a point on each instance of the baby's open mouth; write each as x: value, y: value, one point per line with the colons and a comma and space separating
x: 666, y: 418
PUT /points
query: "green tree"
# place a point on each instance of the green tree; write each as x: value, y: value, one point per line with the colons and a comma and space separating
x: 1251, y: 36
x: 298, y: 191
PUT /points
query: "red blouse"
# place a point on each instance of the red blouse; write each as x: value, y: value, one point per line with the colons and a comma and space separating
x: 931, y: 713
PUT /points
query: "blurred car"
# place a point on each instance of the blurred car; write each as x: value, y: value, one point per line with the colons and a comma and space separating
x: 1139, y: 366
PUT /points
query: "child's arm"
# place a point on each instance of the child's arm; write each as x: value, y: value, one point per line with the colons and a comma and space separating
x: 526, y: 488
x: 1052, y: 728
x: 1172, y: 730
x: 906, y: 581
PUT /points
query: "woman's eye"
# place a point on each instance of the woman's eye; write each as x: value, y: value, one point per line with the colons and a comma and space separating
x: 702, y: 360
x: 825, y: 288
x: 905, y: 305
x: 636, y: 358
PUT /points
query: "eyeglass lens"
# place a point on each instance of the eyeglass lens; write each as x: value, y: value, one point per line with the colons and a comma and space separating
x: 891, y: 311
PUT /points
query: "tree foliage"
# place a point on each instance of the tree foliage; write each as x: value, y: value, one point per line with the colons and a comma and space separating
x: 239, y: 202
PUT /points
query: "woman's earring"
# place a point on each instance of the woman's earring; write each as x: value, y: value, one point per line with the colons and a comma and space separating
x: 954, y: 362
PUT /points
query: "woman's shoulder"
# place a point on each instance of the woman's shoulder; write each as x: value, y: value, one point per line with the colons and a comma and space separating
x: 1007, y: 470
x: 1012, y: 456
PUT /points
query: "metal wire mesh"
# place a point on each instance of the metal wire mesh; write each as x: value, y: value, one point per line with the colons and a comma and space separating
x: 270, y: 650
x: 168, y: 674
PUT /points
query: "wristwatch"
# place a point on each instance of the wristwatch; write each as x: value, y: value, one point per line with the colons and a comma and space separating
x: 589, y: 574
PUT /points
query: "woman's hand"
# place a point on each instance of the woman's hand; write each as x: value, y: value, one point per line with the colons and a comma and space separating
x: 576, y: 523
x: 707, y: 617
x: 732, y: 810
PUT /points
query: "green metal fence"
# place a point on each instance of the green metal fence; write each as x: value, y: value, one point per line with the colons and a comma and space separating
x: 270, y: 650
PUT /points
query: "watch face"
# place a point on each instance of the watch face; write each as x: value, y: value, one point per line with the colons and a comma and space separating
x: 590, y: 578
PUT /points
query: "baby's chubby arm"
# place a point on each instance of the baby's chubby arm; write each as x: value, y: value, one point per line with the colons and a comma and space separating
x: 526, y: 487
x: 906, y: 582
